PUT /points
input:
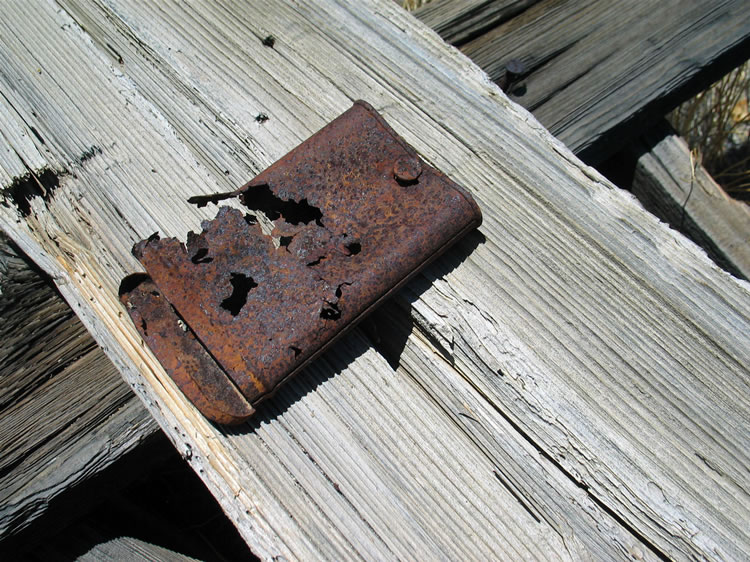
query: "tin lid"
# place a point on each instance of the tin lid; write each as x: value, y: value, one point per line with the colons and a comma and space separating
x: 356, y: 212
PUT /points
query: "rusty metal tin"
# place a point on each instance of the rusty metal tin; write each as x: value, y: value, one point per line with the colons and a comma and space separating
x: 356, y: 213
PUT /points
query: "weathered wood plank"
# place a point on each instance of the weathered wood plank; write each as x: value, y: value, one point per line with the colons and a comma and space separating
x: 128, y: 548
x: 601, y: 72
x: 327, y: 520
x: 459, y: 21
x: 455, y: 20
x: 65, y: 412
x: 564, y: 329
x: 676, y: 188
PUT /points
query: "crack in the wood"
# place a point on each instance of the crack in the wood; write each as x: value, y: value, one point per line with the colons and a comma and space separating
x: 581, y: 485
x: 547, y: 456
x: 517, y: 496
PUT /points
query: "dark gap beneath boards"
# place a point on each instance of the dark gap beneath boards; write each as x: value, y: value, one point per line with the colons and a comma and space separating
x: 150, y: 495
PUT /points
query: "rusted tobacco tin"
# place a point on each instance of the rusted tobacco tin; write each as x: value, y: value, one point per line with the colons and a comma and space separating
x: 235, y: 312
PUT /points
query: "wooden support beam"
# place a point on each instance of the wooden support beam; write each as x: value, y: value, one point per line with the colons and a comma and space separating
x: 65, y: 412
x: 575, y: 380
x: 672, y: 184
x: 599, y: 73
x: 459, y: 21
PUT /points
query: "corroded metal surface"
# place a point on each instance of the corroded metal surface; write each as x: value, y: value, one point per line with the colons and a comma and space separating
x: 182, y: 355
x: 356, y: 213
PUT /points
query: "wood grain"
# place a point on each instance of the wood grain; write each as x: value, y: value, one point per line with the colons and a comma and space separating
x: 672, y: 184
x: 599, y: 73
x: 129, y: 548
x: 65, y: 412
x: 600, y: 355
x: 459, y: 21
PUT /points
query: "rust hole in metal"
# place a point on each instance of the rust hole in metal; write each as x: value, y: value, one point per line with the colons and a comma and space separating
x: 201, y: 256
x: 284, y: 241
x: 241, y: 286
x: 338, y: 289
x: 316, y: 262
x: 330, y: 311
x: 261, y: 198
x: 353, y: 247
x: 296, y: 350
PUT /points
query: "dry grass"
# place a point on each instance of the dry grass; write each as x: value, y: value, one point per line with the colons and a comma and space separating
x: 412, y: 5
x: 716, y: 124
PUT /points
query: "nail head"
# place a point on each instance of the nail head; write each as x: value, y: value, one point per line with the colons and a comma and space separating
x: 407, y: 169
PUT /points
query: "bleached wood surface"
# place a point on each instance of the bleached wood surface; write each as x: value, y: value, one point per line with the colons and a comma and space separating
x: 674, y: 186
x: 576, y: 380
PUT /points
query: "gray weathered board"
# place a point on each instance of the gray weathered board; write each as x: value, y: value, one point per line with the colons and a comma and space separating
x: 673, y: 185
x: 65, y: 413
x: 599, y: 72
x: 575, y: 380
x: 456, y: 21
x: 596, y: 73
x: 459, y: 21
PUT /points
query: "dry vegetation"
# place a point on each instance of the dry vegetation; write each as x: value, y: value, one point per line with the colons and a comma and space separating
x: 716, y: 125
x: 412, y: 5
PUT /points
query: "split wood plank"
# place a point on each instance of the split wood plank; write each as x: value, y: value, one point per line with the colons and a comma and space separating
x: 65, y: 412
x: 561, y: 329
x: 674, y: 186
x: 599, y: 73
